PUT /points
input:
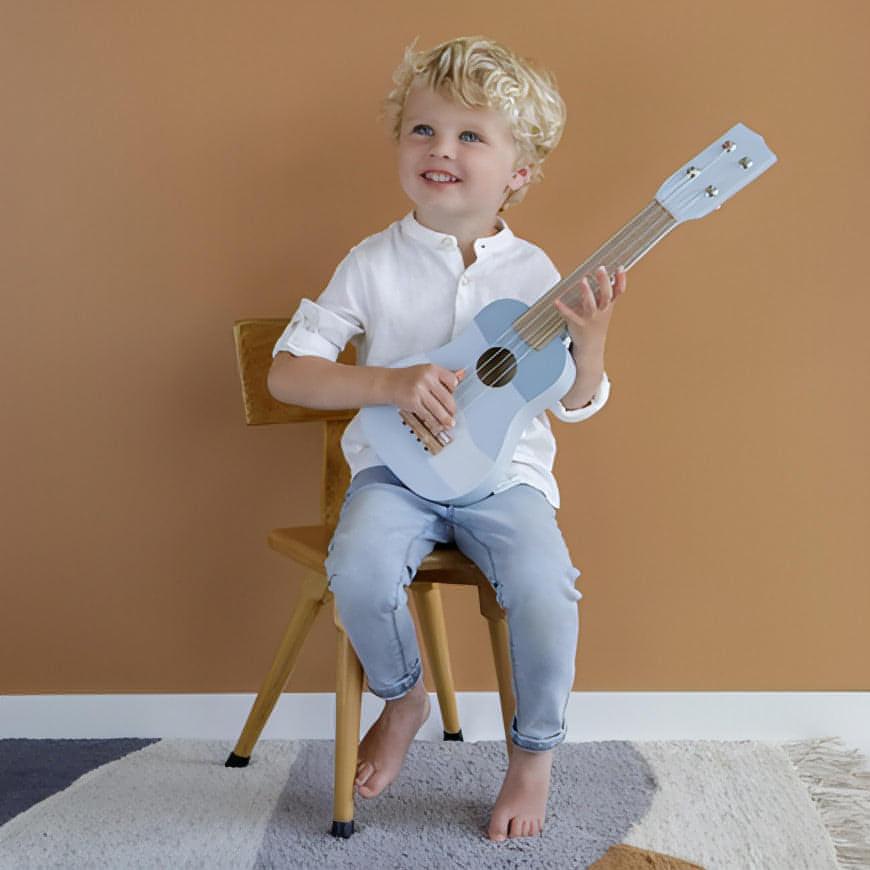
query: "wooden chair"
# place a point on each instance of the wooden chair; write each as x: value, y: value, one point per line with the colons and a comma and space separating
x: 307, y: 545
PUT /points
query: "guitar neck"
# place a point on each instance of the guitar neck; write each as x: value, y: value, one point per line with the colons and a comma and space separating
x: 542, y: 322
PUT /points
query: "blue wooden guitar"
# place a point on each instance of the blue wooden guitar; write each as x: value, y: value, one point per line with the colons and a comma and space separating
x: 516, y: 361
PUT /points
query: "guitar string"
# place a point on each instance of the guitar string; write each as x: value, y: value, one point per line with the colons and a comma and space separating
x: 542, y: 314
x: 553, y: 322
x: 616, y: 252
x: 626, y: 248
x: 659, y: 208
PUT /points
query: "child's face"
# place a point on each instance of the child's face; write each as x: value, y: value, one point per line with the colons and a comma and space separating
x: 456, y: 164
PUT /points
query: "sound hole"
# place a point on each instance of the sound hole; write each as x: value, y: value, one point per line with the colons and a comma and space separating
x: 496, y: 367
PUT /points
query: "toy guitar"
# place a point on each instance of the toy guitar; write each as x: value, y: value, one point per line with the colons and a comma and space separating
x: 516, y: 361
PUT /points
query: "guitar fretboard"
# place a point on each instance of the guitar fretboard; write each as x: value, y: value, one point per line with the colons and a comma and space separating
x: 542, y: 322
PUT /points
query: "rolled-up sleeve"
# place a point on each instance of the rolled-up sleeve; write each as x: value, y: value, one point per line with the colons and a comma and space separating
x: 595, y: 405
x: 324, y: 327
x: 316, y: 331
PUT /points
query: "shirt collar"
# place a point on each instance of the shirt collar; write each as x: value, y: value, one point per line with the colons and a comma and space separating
x: 443, y: 241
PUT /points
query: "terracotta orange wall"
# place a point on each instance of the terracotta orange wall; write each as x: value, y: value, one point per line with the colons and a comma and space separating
x: 169, y: 167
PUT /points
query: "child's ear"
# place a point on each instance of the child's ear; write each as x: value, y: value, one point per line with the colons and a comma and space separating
x: 520, y: 177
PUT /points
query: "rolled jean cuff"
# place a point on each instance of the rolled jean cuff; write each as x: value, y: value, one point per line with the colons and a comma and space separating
x: 398, y: 690
x: 536, y: 744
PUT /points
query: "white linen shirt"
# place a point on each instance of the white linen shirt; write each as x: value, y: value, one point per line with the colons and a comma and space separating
x: 406, y: 290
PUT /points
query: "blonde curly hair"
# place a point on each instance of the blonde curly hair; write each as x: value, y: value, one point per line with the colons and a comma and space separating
x: 480, y: 73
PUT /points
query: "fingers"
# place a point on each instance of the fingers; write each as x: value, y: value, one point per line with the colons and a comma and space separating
x: 430, y: 396
x: 438, y: 401
x: 608, y: 287
x: 587, y: 301
x: 620, y: 282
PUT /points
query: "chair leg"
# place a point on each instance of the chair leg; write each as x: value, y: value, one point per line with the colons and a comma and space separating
x: 313, y: 595
x: 500, y: 642
x: 427, y: 597
x: 348, y: 700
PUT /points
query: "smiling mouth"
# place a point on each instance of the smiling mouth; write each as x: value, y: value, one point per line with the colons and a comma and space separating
x: 440, y: 177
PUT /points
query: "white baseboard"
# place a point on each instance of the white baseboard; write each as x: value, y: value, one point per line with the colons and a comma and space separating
x: 772, y: 716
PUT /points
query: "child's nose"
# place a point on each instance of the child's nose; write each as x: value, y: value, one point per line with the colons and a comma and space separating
x: 441, y: 146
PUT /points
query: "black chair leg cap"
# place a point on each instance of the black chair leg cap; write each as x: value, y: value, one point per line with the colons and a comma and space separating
x: 454, y: 735
x: 236, y: 760
x: 342, y: 829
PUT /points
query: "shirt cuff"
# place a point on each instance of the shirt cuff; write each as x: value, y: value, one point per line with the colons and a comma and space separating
x: 314, y: 331
x: 577, y: 414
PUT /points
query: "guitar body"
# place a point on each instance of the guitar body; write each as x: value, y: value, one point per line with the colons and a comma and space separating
x: 490, y: 419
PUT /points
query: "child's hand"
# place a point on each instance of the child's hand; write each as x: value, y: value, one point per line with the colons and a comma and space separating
x: 588, y: 320
x: 589, y: 317
x: 427, y: 391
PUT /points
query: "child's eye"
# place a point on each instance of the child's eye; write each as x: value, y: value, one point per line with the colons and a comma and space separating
x: 469, y: 136
x: 423, y: 130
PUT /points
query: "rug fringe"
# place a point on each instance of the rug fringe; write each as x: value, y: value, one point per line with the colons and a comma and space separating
x: 839, y: 784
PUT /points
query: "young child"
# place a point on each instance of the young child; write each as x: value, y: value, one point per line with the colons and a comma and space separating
x: 473, y: 123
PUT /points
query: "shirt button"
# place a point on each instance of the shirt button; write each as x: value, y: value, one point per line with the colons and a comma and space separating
x: 464, y: 282
x: 446, y: 242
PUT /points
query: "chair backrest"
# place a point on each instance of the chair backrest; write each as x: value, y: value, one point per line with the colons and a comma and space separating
x: 255, y: 338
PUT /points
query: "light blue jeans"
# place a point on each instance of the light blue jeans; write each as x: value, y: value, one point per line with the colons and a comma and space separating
x: 383, y: 534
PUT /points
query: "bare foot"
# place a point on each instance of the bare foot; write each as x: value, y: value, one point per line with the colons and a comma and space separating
x: 522, y: 802
x: 384, y: 747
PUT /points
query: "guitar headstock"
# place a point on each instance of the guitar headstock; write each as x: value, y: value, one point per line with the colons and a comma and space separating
x: 716, y: 174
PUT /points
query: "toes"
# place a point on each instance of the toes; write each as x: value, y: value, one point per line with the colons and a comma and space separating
x: 521, y: 828
x: 498, y: 829
x: 364, y: 791
x: 370, y: 782
x: 364, y: 771
x: 372, y: 787
x: 514, y: 828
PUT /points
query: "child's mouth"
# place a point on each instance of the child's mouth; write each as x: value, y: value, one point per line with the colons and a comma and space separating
x: 440, y: 177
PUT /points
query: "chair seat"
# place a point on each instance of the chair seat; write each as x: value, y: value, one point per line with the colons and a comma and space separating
x: 308, y: 545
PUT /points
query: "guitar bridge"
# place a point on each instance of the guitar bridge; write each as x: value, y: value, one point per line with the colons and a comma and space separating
x: 431, y: 442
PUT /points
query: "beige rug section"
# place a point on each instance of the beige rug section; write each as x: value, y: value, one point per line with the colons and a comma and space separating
x: 732, y: 795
